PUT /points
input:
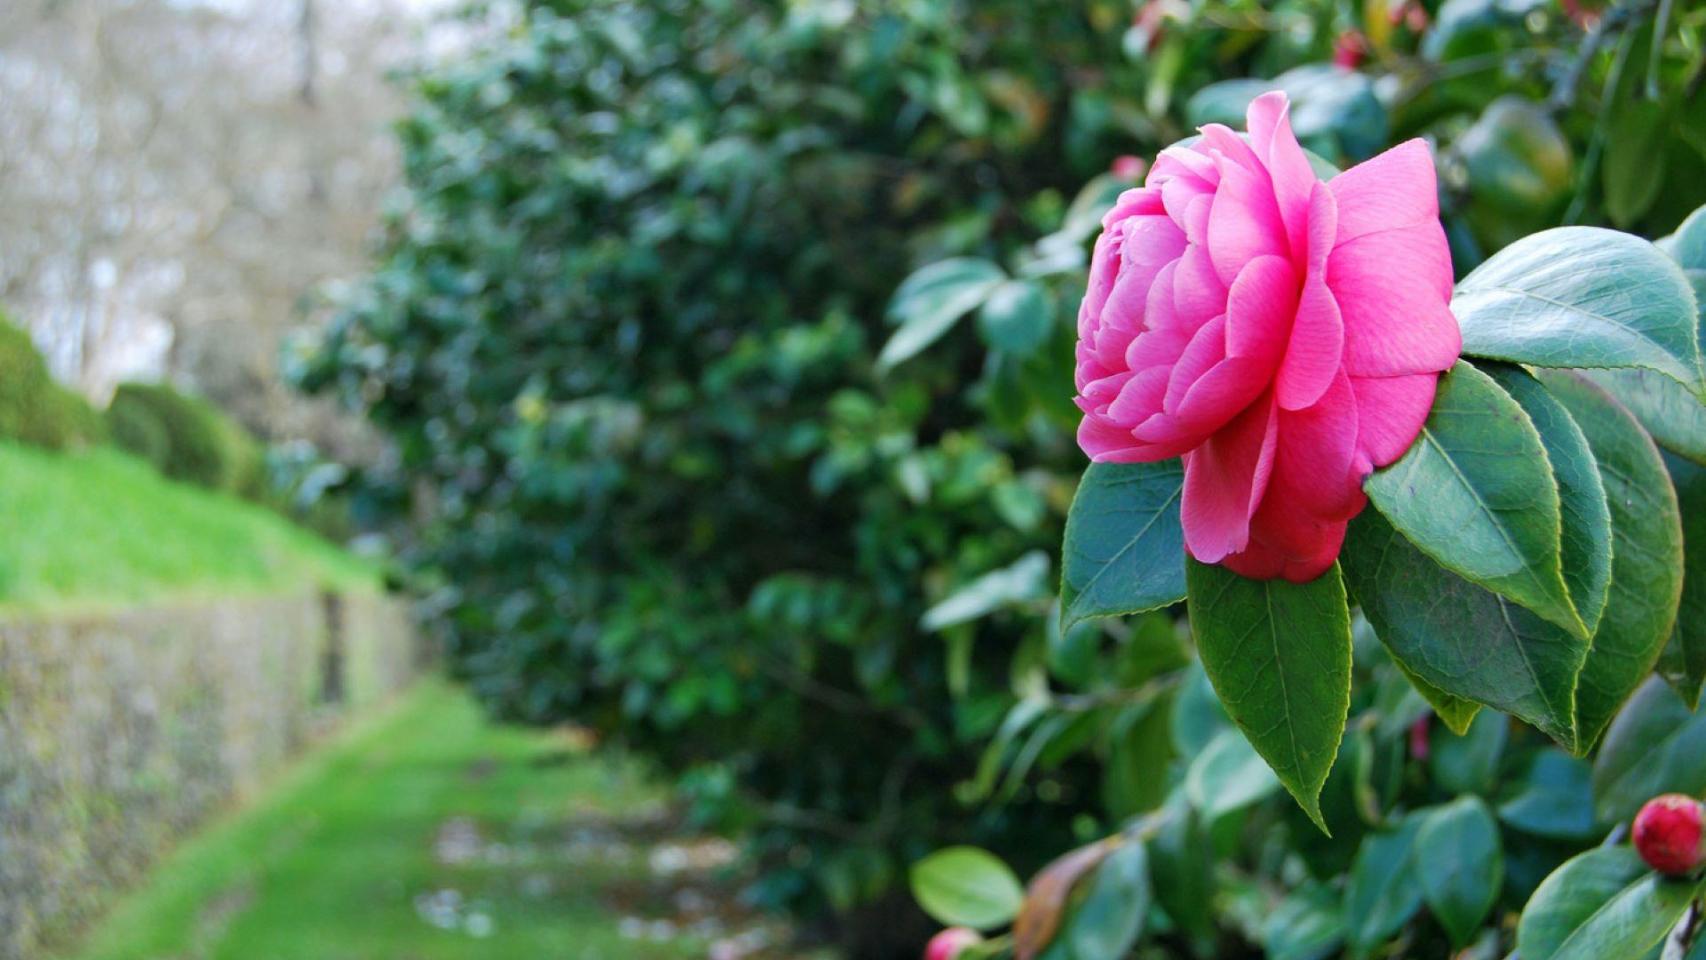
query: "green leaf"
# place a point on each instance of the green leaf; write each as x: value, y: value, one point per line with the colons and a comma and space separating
x: 1683, y: 662
x: 1582, y: 297
x: 1140, y: 747
x: 966, y: 886
x: 1646, y: 575
x: 1184, y: 878
x: 1198, y: 716
x: 1307, y: 925
x: 1125, y: 548
x: 929, y: 301
x: 1111, y: 917
x: 1382, y: 894
x: 1461, y: 865
x: 1665, y: 408
x: 1228, y: 775
x: 1688, y: 244
x: 1656, y: 745
x: 1586, y: 539
x: 1016, y: 317
x: 1467, y: 641
x: 1279, y: 656
x: 1475, y: 492
x: 1023, y: 580
x: 1555, y: 800
x: 1600, y: 905
x: 1469, y: 763
x: 1456, y: 712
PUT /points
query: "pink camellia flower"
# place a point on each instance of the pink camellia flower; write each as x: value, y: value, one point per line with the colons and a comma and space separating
x: 1283, y: 334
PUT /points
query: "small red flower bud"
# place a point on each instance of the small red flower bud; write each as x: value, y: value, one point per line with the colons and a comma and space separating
x: 1419, y: 737
x: 950, y: 943
x: 1128, y: 167
x: 1350, y: 50
x: 1668, y: 834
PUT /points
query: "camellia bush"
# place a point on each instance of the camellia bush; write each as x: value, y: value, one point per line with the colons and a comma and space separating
x: 729, y: 351
x: 1433, y: 541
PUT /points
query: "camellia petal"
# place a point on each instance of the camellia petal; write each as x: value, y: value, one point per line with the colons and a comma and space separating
x: 1393, y: 411
x: 1395, y: 189
x: 1386, y: 285
x: 1225, y: 479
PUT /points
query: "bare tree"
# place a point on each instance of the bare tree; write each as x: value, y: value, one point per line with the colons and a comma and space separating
x: 177, y: 176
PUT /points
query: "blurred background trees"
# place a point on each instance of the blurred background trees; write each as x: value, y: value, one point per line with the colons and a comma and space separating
x: 180, y: 179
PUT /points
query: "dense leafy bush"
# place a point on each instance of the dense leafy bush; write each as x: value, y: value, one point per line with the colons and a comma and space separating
x: 623, y: 332
x: 34, y: 408
x: 668, y: 332
x: 185, y: 437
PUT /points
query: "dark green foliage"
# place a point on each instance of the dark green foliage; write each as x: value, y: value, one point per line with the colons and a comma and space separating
x: 34, y: 408
x: 624, y: 332
x: 185, y: 437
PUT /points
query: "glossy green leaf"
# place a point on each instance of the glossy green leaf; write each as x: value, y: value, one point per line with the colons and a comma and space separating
x: 1646, y: 577
x: 1461, y: 864
x: 1600, y: 905
x: 1582, y: 297
x: 1683, y: 662
x: 966, y: 886
x: 1382, y: 893
x: 1671, y: 413
x: 1016, y: 317
x: 932, y: 299
x: 1228, y: 775
x: 1586, y: 528
x: 1140, y: 747
x: 1554, y: 798
x: 1475, y: 492
x: 1656, y: 745
x: 1183, y: 878
x: 1469, y: 763
x: 1308, y: 925
x: 1465, y: 640
x: 1110, y: 919
x: 1198, y: 716
x: 1124, y: 550
x: 1023, y: 580
x: 1279, y: 656
x: 1675, y: 418
x: 1454, y: 711
x: 1688, y: 244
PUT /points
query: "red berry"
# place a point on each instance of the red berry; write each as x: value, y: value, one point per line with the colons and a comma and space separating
x: 1668, y: 834
x: 949, y: 943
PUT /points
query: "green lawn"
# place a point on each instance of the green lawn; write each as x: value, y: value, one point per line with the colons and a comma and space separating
x: 97, y: 527
x: 429, y: 833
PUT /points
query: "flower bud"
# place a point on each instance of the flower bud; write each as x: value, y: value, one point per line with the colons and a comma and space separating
x: 950, y: 943
x: 1419, y: 737
x: 1668, y: 834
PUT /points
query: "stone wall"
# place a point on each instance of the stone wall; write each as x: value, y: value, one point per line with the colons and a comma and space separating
x: 121, y: 731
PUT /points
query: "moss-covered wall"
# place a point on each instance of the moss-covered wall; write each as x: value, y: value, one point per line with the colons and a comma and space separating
x: 120, y: 732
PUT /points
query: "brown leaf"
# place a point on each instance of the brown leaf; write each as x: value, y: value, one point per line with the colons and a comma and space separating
x: 1045, y: 898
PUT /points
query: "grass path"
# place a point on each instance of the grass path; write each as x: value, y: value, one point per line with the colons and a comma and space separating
x: 428, y: 833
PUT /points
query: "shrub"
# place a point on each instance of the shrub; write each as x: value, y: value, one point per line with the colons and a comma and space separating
x: 35, y: 409
x: 185, y: 437
x: 729, y: 352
